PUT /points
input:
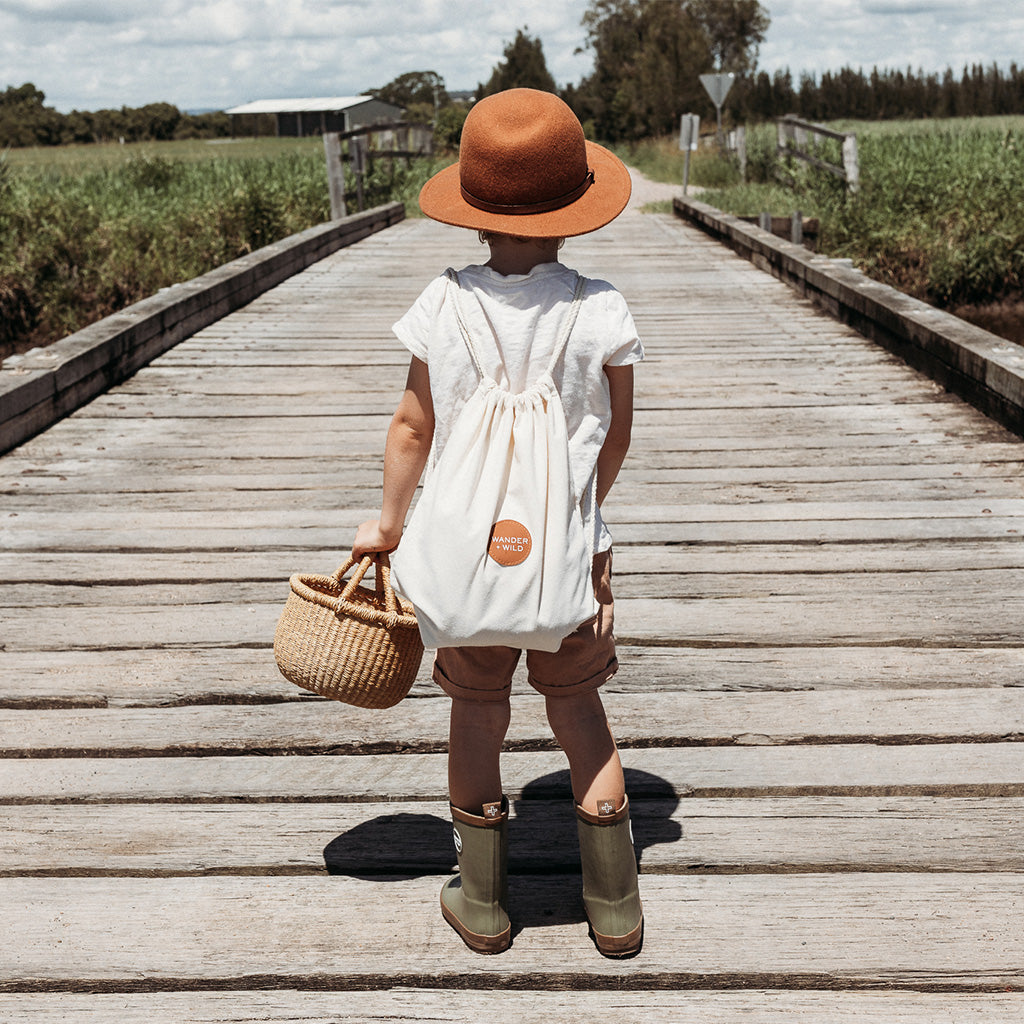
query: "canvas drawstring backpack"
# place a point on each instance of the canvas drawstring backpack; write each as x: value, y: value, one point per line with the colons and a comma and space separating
x: 495, y: 551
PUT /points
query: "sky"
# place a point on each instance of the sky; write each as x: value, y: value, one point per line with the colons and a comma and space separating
x: 91, y: 54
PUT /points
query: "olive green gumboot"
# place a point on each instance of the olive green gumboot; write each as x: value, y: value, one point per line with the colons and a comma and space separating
x: 611, y: 895
x: 475, y: 902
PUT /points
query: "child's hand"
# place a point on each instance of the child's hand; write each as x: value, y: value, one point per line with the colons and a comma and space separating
x: 370, y: 537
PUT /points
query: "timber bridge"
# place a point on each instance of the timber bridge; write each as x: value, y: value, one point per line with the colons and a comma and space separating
x: 820, y: 703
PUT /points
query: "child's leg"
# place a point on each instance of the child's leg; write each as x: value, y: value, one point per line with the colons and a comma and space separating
x: 611, y: 895
x: 479, y: 682
x: 581, y: 729
x: 476, y: 733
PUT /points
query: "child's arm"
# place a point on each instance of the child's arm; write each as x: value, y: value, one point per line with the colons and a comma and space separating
x: 405, y: 455
x: 616, y: 444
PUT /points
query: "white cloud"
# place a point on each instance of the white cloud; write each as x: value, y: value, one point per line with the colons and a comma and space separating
x: 926, y: 34
x: 98, y: 53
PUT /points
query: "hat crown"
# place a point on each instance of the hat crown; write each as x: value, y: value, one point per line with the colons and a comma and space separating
x: 521, y: 147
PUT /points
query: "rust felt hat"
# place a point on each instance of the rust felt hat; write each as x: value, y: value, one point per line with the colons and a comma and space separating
x: 525, y: 169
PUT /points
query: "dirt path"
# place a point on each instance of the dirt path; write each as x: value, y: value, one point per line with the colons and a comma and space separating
x: 647, y: 191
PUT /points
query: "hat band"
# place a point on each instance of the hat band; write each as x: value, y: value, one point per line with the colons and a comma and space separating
x: 519, y: 208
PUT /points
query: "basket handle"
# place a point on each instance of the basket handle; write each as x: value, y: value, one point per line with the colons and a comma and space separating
x: 385, y: 592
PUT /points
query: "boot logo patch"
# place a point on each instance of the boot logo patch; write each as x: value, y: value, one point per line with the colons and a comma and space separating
x: 458, y: 840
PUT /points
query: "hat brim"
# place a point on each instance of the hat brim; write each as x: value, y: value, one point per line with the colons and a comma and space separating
x: 441, y: 199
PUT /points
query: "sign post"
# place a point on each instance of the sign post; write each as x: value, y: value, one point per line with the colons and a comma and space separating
x: 717, y: 87
x: 689, y: 135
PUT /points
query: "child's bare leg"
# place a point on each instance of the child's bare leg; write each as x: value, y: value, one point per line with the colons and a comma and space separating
x: 581, y: 729
x: 474, y: 748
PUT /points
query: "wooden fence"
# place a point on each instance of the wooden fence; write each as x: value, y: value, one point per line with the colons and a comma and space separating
x: 402, y: 140
x: 799, y: 139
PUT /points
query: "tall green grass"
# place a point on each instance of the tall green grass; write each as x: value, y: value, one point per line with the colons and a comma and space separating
x: 938, y: 213
x: 97, y: 228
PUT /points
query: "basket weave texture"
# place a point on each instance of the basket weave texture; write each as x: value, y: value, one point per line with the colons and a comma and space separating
x: 347, y: 642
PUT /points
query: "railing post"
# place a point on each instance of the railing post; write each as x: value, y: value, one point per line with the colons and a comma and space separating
x: 741, y: 150
x: 357, y: 154
x: 796, y: 232
x: 851, y: 163
x: 335, y: 174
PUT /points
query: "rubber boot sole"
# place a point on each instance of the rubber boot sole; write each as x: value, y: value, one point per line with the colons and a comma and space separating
x: 619, y: 945
x: 478, y: 943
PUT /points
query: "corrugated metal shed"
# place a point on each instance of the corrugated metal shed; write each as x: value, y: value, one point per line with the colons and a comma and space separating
x: 298, y: 117
x: 327, y: 103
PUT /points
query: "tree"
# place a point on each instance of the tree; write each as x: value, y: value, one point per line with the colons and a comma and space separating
x: 25, y: 120
x: 414, y: 87
x: 522, y: 67
x: 647, y: 59
x: 734, y: 30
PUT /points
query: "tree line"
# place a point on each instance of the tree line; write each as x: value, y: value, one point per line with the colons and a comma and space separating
x: 25, y: 120
x: 978, y: 91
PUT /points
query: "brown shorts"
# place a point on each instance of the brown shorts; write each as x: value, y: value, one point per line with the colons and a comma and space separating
x: 585, y: 660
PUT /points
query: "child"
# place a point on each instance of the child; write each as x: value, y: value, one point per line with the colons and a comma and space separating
x: 526, y: 179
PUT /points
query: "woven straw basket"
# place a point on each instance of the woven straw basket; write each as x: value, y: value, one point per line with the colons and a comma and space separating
x: 347, y: 642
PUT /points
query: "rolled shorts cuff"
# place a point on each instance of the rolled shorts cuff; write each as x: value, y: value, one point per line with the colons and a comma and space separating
x: 594, y: 682
x: 478, y: 695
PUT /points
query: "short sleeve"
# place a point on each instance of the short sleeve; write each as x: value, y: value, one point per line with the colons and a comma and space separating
x: 413, y: 329
x: 624, y: 345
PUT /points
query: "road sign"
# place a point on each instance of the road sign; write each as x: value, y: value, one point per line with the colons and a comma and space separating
x: 718, y: 86
x: 689, y: 131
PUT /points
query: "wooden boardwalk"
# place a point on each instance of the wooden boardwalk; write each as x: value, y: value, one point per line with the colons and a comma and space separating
x: 819, y: 608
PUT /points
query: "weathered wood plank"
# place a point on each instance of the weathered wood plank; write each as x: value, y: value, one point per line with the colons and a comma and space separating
x: 329, y: 496
x: 870, y: 561
x: 135, y: 517
x: 863, y: 769
x: 64, y: 459
x: 140, y: 677
x: 645, y: 719
x: 427, y: 1006
x: 413, y: 838
x: 676, y: 580
x: 688, y: 621
x: 825, y: 931
x: 235, y: 533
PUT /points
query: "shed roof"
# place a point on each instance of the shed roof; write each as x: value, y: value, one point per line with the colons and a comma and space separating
x: 300, y: 105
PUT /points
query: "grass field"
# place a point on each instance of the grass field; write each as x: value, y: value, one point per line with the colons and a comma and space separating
x: 77, y: 159
x: 938, y: 214
x: 87, y: 230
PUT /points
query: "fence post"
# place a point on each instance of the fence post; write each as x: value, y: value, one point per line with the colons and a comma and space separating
x: 796, y: 232
x: 689, y: 133
x: 357, y: 154
x: 335, y: 174
x: 741, y: 150
x: 764, y: 221
x: 851, y: 163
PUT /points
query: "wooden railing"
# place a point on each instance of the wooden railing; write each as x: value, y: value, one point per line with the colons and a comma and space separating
x: 398, y: 140
x: 42, y: 386
x: 799, y: 139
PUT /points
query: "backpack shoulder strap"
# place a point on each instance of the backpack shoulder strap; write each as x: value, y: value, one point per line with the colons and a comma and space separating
x: 453, y: 279
x: 569, y: 324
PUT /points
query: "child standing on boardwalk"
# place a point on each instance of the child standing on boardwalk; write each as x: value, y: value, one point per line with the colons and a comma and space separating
x: 526, y: 179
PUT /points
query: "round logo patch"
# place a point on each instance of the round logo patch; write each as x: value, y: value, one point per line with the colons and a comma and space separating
x: 510, y: 542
